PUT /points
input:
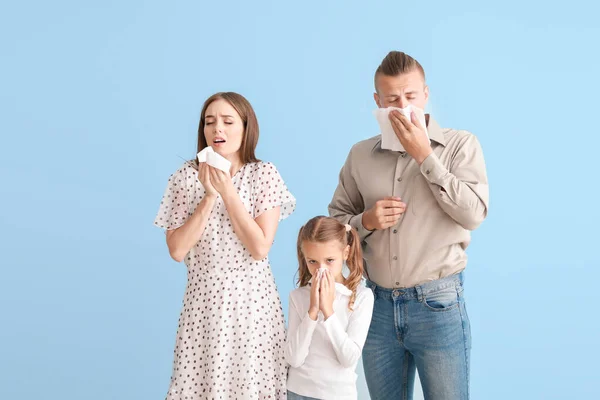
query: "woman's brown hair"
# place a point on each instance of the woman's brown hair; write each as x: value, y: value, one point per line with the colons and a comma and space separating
x: 322, y: 229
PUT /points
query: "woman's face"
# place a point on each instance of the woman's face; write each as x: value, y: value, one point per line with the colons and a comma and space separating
x: 223, y: 128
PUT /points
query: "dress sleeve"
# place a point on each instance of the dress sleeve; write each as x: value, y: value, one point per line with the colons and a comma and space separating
x: 174, y: 207
x: 270, y: 191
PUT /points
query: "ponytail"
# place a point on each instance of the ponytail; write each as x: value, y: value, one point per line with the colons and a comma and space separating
x: 354, y: 263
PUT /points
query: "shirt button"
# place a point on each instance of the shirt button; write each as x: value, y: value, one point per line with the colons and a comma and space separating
x: 399, y: 179
x: 397, y: 283
x: 427, y: 172
x: 395, y: 231
x: 395, y: 257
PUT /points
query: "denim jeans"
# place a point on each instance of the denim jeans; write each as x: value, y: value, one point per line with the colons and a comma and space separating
x: 425, y: 328
x: 294, y: 396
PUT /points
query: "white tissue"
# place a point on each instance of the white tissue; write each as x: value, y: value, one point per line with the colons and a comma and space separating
x: 389, y: 140
x: 209, y: 156
x: 320, y: 272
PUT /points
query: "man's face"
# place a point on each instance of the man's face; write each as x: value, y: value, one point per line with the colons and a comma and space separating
x: 401, y: 90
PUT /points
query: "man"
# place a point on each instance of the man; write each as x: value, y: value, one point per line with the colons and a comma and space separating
x: 414, y: 211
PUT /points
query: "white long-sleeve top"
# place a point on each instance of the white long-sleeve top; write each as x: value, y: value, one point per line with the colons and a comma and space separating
x: 323, y: 354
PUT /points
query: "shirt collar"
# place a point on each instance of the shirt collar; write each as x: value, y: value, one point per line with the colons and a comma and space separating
x: 433, y: 129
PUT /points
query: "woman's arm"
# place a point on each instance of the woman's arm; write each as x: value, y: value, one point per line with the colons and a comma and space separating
x: 257, y: 235
x: 181, y: 240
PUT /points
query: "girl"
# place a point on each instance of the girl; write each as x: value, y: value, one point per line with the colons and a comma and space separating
x: 231, y: 331
x: 329, y: 314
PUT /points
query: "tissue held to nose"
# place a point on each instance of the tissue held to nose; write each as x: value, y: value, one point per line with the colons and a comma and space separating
x: 389, y: 140
x: 321, y: 271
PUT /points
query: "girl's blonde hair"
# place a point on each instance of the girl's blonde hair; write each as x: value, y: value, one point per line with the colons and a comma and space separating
x: 323, y: 229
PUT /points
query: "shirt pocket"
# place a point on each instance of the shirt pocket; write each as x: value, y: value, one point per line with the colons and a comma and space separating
x: 423, y: 200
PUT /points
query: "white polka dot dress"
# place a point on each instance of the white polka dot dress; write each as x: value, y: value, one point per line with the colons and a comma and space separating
x: 231, y: 334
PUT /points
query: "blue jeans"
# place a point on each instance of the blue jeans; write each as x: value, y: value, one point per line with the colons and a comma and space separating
x: 294, y: 396
x: 425, y: 328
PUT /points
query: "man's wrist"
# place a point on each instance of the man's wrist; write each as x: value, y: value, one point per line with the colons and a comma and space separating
x: 365, y: 222
x: 423, y: 156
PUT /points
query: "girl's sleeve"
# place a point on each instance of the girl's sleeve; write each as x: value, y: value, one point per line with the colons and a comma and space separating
x: 348, y: 343
x: 300, y: 332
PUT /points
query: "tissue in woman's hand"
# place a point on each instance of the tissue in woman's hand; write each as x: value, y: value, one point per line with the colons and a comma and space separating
x: 202, y: 155
x: 389, y: 140
x: 209, y: 156
x: 321, y: 271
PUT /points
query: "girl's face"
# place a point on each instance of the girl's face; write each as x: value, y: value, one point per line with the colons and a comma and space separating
x: 223, y: 128
x: 330, y: 255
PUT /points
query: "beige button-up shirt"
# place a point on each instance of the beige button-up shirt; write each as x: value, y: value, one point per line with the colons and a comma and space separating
x: 446, y: 198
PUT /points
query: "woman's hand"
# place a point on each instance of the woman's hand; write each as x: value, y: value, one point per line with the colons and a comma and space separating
x: 204, y: 178
x: 220, y: 180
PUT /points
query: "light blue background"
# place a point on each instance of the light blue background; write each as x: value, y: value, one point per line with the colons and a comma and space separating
x: 99, y: 99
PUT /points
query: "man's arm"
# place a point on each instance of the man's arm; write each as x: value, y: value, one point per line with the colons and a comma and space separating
x: 347, y: 205
x: 462, y: 191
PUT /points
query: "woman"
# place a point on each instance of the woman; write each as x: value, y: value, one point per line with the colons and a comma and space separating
x: 231, y: 335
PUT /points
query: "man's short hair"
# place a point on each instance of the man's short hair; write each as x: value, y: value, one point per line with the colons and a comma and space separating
x: 396, y: 63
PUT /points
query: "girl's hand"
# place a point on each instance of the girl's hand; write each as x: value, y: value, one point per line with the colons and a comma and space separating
x: 204, y: 178
x: 327, y: 294
x: 313, y: 310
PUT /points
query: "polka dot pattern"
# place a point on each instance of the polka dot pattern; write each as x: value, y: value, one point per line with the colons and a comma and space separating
x: 231, y: 334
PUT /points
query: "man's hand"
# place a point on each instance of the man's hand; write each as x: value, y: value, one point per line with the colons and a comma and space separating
x: 412, y: 135
x: 384, y: 213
